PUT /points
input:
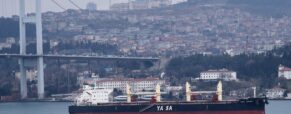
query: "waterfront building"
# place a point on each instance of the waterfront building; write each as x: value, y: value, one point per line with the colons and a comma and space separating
x: 137, y: 84
x: 222, y: 74
x: 284, y: 72
x: 275, y: 93
x: 96, y: 95
x: 288, y: 96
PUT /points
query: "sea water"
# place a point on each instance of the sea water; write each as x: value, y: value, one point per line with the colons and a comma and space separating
x: 274, y: 107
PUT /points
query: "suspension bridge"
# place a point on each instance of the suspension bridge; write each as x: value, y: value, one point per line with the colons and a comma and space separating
x: 39, y: 57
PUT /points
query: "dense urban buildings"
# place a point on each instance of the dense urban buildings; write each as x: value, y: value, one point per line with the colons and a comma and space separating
x: 160, y: 29
x: 203, y: 29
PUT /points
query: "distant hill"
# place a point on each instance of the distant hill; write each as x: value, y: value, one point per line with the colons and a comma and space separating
x: 259, y: 67
x: 274, y: 8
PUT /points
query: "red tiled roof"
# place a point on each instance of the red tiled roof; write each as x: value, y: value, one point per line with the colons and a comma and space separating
x: 285, y: 69
x: 129, y: 79
x: 219, y: 71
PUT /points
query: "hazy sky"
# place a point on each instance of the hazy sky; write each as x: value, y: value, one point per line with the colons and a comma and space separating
x: 10, y: 7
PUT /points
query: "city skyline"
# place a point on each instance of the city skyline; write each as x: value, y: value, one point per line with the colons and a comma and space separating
x: 9, y: 8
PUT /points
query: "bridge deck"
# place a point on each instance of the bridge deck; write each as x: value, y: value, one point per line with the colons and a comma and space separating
x: 78, y: 57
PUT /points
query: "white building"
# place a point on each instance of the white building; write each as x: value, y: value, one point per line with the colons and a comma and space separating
x: 159, y: 3
x: 5, y: 45
x: 140, y: 4
x: 174, y: 89
x: 120, y: 7
x: 288, y: 96
x: 30, y: 75
x: 178, y: 1
x: 91, y: 6
x: 284, y: 72
x: 10, y: 40
x: 222, y: 74
x: 137, y: 85
x: 94, y: 95
x: 275, y: 93
x: 232, y: 52
x: 147, y: 4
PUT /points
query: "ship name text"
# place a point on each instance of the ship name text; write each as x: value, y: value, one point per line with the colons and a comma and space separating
x: 164, y: 108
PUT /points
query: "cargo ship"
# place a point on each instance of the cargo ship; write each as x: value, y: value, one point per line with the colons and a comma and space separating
x: 89, y: 102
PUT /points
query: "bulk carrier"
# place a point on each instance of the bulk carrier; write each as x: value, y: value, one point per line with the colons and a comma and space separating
x: 90, y: 103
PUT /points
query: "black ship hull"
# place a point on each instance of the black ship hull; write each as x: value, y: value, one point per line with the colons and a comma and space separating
x: 250, y: 106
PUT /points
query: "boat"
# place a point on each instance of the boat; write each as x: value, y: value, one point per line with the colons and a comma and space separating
x: 120, y: 98
x: 89, y: 105
x: 147, y: 97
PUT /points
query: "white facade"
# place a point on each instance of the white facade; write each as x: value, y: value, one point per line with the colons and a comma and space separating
x: 222, y: 74
x: 288, y: 96
x: 119, y: 7
x: 284, y: 72
x: 137, y: 85
x: 176, y: 90
x: 30, y: 75
x: 159, y: 3
x: 93, y: 95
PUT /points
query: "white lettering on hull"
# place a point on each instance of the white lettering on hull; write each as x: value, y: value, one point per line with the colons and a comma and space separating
x: 164, y: 108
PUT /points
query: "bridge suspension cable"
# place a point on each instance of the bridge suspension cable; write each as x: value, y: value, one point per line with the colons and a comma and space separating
x: 59, y: 5
x: 72, y: 2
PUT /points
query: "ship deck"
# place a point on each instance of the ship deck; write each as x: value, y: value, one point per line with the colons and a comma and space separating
x: 165, y: 103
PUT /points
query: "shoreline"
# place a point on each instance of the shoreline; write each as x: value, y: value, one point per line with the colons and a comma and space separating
x: 279, y: 99
x: 51, y: 100
x: 19, y: 101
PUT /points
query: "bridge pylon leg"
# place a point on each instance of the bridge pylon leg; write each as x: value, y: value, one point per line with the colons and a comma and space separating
x: 40, y: 78
x: 39, y: 49
x: 22, y: 43
x: 37, y: 19
x: 23, y: 81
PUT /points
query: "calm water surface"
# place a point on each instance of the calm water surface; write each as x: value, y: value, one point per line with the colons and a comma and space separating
x: 275, y: 107
x: 279, y: 107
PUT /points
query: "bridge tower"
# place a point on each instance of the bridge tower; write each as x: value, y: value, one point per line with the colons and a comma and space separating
x: 23, y: 20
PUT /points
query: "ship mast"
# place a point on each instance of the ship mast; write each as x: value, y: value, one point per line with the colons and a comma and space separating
x: 158, y: 93
x: 188, y: 92
x: 219, y: 91
x: 128, y: 93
